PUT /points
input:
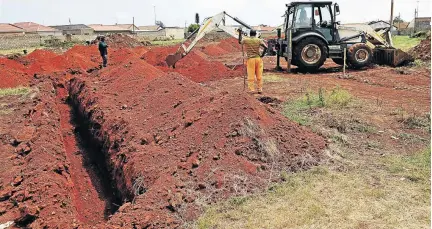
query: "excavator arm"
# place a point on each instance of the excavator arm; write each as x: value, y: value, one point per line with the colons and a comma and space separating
x: 208, y: 25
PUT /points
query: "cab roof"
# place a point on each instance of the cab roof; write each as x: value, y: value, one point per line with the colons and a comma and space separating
x: 309, y: 2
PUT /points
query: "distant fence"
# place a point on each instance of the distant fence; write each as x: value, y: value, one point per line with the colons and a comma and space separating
x: 22, y: 41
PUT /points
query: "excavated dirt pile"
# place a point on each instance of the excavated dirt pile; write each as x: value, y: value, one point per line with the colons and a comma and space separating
x: 79, y: 60
x: 122, y: 41
x: 137, y: 144
x: 173, y: 144
x: 423, y: 50
x: 195, y: 65
x: 35, y: 180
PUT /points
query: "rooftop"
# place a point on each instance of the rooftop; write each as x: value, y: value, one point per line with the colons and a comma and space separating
x: 9, y: 28
x: 149, y: 27
x: 101, y: 28
x: 34, y: 27
x: 70, y: 27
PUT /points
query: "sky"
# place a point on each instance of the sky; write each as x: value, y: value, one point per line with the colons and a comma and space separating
x: 181, y: 12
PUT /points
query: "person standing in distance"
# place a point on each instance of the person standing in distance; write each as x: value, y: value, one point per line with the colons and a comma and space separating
x: 103, y: 49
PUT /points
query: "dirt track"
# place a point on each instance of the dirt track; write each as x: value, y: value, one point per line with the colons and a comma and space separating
x: 164, y: 142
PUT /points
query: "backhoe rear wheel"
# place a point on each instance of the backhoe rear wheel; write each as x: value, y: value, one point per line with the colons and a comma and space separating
x: 310, y: 54
x: 359, y: 55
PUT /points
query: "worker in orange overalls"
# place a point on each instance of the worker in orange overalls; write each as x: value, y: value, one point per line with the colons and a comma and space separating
x: 255, y: 64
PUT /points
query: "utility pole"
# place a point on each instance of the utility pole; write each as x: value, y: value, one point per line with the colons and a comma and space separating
x: 391, y: 14
x: 400, y: 19
x: 415, y: 20
x: 391, y: 23
x: 133, y: 25
x: 154, y: 9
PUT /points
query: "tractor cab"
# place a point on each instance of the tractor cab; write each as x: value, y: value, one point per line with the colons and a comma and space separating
x: 317, y: 17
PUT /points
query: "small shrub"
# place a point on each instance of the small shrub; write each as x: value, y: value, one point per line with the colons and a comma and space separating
x: 339, y: 97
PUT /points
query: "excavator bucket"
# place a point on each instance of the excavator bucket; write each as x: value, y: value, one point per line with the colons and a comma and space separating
x: 172, y: 59
x: 391, y: 56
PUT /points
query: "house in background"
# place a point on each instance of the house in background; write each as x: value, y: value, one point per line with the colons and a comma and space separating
x: 9, y: 29
x: 420, y: 24
x: 130, y: 27
x: 100, y: 29
x: 149, y: 28
x: 78, y: 29
x: 401, y: 25
x: 175, y: 32
x: 153, y: 32
x: 264, y: 28
x: 34, y: 28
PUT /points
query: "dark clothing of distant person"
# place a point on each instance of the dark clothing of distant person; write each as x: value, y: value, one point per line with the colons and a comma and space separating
x: 103, y: 49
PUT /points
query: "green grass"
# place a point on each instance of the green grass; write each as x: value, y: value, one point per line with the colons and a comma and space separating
x: 14, y: 91
x: 20, y: 51
x: 405, y: 42
x: 167, y: 43
x: 296, y: 109
x: 274, y: 78
x: 394, y: 192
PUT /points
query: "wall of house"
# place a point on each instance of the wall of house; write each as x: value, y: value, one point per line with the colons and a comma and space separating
x: 84, y: 37
x: 23, y: 41
x: 17, y: 41
x: 423, y: 25
x: 175, y: 33
x: 79, y: 32
x: 50, y: 33
x: 151, y: 35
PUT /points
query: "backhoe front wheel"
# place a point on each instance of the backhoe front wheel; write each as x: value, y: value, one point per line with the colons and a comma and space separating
x: 359, y: 55
x: 310, y: 54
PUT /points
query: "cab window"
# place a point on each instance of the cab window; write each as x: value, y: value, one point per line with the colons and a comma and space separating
x: 303, y: 18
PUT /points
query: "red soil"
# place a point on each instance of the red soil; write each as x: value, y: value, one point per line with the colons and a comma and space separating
x: 181, y: 140
x: 213, y: 50
x: 12, y: 73
x: 423, y: 50
x: 194, y: 66
x: 35, y: 183
x: 187, y: 141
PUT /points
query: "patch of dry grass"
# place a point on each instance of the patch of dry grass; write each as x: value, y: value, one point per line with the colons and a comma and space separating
x: 274, y: 78
x: 14, y: 91
x: 394, y: 193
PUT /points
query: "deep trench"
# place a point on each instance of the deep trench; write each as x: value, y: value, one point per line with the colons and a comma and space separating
x: 95, y: 161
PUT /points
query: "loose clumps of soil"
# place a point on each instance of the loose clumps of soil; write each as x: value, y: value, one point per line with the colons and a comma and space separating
x: 166, y: 144
x: 423, y: 50
x: 186, y: 143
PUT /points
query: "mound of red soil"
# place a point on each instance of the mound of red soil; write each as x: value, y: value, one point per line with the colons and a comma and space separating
x: 171, y: 141
x: 230, y: 45
x: 82, y: 57
x: 213, y: 50
x: 195, y: 65
x: 79, y: 59
x: 12, y: 73
x: 423, y: 50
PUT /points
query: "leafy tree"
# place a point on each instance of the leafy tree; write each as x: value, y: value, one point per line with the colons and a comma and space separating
x: 193, y: 27
x: 398, y: 19
x: 197, y: 18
